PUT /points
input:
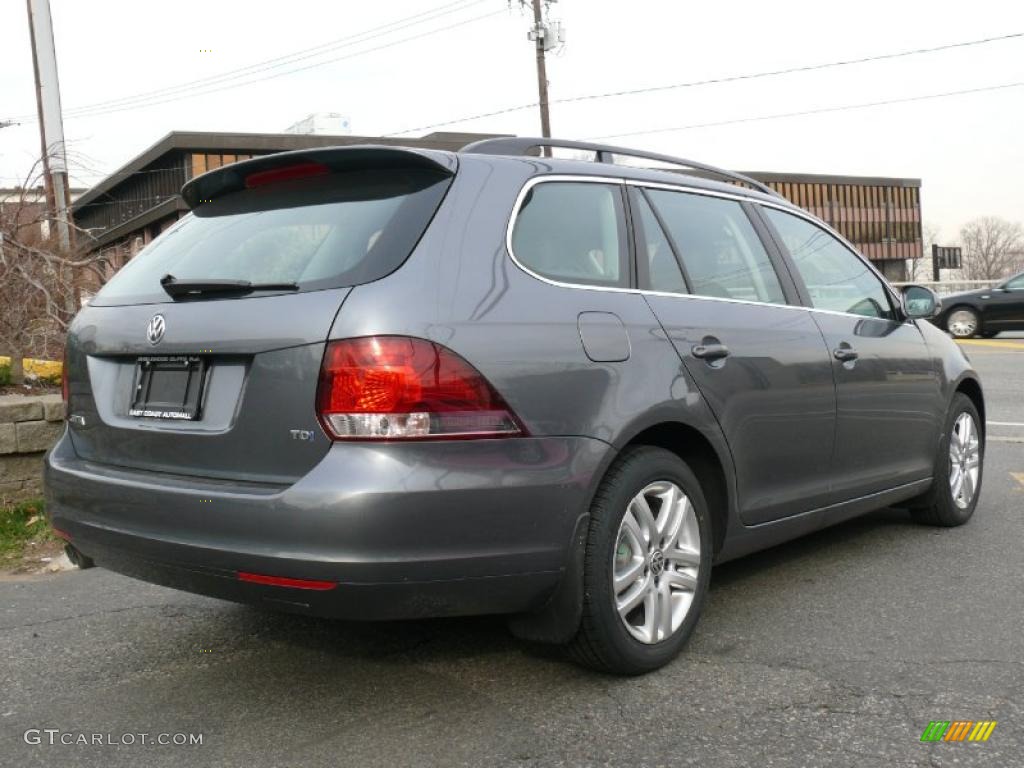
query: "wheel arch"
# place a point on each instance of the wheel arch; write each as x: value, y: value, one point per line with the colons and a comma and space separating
x: 971, y: 387
x: 701, y: 455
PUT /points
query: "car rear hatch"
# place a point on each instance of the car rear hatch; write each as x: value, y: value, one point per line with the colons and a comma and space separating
x: 201, y: 357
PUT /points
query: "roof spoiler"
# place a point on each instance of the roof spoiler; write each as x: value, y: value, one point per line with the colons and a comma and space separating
x: 232, y: 178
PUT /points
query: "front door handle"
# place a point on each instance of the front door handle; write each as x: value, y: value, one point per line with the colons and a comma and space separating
x: 845, y: 353
x: 710, y: 352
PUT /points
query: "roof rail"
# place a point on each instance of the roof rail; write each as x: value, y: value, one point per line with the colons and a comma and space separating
x: 521, y: 145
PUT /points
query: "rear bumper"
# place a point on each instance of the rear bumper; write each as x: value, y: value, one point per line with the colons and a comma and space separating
x: 404, y: 529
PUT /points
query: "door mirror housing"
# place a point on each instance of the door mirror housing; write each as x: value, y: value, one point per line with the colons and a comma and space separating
x: 920, y: 303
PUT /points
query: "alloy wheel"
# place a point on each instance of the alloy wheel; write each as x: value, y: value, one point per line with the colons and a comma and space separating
x: 656, y: 562
x: 964, y: 460
x: 962, y: 323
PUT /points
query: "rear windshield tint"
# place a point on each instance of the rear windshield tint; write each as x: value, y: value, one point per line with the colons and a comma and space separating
x: 344, y: 229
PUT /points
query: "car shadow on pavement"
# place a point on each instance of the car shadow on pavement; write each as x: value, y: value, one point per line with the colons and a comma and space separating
x: 463, y: 638
x: 846, y: 537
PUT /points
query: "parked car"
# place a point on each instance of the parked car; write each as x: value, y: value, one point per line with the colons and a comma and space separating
x: 382, y: 383
x: 985, y: 312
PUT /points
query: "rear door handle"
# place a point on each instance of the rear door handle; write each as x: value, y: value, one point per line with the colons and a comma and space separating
x: 710, y: 352
x: 845, y: 353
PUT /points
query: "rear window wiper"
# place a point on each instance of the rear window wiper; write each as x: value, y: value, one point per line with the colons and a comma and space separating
x: 178, y: 289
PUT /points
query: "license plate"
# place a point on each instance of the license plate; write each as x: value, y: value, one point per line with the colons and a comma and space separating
x: 168, y: 387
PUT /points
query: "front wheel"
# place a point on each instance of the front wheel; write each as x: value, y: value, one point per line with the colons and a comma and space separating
x: 958, y: 469
x: 647, y: 564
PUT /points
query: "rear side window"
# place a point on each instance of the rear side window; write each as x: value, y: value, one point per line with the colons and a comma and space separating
x: 343, y: 229
x: 720, y: 249
x: 835, y: 276
x: 573, y: 232
x: 663, y: 273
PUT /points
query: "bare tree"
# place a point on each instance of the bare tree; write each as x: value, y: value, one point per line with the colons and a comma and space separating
x: 921, y: 269
x: 37, y: 278
x: 991, y: 246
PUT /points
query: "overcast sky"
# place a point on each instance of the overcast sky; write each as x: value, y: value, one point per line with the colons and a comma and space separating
x: 968, y: 149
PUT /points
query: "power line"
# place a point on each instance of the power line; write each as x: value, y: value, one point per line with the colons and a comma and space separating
x: 282, y: 61
x: 207, y: 92
x: 201, y: 87
x: 718, y: 80
x: 823, y: 110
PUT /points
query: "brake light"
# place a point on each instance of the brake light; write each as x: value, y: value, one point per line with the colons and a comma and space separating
x: 396, y: 387
x: 287, y: 173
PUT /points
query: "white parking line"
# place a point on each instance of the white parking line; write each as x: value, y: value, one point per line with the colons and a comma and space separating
x: 1005, y: 423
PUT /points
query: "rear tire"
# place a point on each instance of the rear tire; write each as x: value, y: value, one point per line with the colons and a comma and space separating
x: 948, y: 504
x: 660, y: 556
x: 963, y: 322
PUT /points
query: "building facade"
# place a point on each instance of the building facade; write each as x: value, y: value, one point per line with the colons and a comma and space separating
x: 124, y: 212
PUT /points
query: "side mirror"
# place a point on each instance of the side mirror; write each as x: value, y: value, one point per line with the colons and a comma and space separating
x: 920, y: 303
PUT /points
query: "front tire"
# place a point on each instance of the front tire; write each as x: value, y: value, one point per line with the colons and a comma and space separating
x: 958, y: 469
x: 647, y: 564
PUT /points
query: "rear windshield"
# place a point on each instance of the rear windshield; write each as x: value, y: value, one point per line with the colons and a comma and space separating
x: 344, y: 229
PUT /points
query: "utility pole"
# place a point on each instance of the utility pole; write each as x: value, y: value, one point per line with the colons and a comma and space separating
x: 51, y: 123
x: 539, y: 34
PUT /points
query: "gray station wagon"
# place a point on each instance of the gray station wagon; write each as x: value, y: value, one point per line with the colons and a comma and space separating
x: 382, y: 383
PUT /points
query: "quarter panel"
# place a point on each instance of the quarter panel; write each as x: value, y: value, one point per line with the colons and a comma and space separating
x: 462, y: 289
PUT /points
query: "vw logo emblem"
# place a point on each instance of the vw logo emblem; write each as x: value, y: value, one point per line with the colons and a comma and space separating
x: 155, y: 329
x: 657, y: 562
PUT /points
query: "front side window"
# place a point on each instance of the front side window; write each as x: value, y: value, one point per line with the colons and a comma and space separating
x: 836, y: 278
x: 720, y: 250
x: 573, y: 232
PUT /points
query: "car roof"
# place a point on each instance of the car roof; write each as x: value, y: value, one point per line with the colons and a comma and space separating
x: 549, y: 166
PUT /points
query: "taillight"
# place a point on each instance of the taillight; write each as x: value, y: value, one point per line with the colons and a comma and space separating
x: 395, y: 387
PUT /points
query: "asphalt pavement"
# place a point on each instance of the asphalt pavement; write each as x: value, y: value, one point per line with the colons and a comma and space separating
x: 834, y: 650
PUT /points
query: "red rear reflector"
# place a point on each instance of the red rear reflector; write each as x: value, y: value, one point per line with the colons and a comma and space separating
x: 287, y: 173
x: 281, y: 581
x: 61, y: 534
x: 396, y: 387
